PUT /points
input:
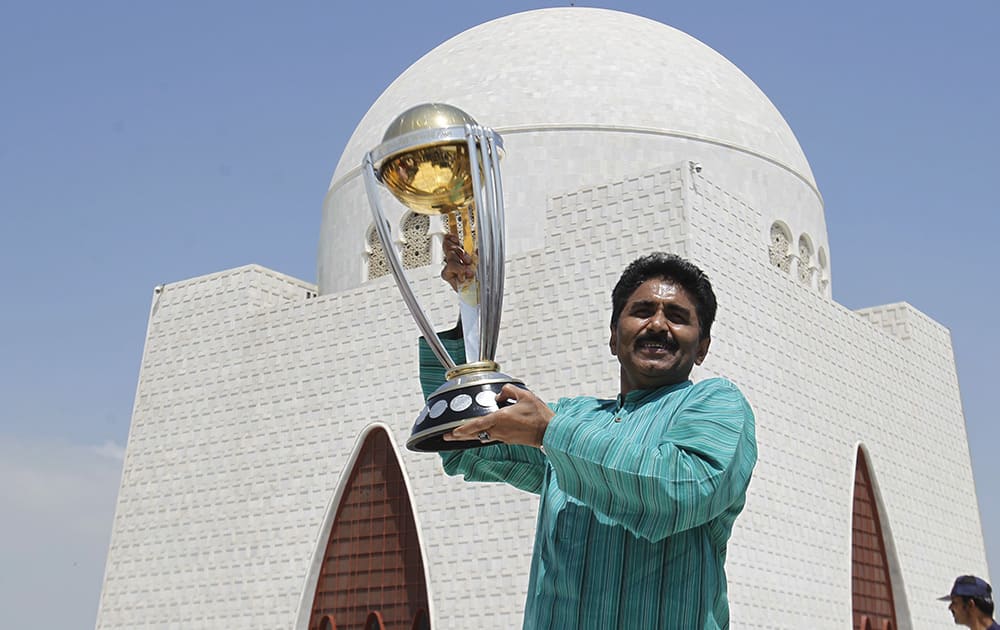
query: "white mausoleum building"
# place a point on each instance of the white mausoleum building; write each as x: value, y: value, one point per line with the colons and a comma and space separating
x: 265, y: 484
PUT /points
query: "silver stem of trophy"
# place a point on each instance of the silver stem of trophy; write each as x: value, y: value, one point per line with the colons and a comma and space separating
x: 396, y: 266
x: 489, y: 236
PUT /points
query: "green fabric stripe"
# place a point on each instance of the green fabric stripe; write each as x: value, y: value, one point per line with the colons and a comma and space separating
x: 431, y: 371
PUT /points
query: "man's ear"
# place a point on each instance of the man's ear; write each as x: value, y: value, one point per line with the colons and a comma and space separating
x: 702, y: 350
x: 613, y: 342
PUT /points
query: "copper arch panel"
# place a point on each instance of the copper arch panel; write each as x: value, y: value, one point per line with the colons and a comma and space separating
x: 372, y: 564
x: 871, y: 586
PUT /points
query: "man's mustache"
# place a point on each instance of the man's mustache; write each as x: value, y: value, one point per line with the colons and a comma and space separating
x: 660, y: 338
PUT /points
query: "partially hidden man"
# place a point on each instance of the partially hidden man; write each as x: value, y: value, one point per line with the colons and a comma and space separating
x: 638, y: 493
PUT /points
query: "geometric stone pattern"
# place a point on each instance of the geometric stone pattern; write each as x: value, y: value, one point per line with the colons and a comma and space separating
x: 805, y: 266
x: 894, y: 319
x: 779, y: 248
x: 252, y: 399
x: 416, y: 241
x: 378, y: 264
x: 414, y: 246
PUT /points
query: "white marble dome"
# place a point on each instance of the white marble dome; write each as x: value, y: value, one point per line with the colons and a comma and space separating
x: 585, y: 97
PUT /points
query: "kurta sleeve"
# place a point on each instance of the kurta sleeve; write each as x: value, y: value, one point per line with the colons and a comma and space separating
x: 520, y: 466
x: 695, y: 469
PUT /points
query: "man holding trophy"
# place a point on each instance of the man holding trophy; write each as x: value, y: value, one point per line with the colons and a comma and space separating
x: 638, y: 493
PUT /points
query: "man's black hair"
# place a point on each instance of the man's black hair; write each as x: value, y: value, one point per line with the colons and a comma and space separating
x: 984, y: 605
x: 671, y: 267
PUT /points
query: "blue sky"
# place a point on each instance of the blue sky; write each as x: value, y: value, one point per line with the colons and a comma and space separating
x: 143, y: 143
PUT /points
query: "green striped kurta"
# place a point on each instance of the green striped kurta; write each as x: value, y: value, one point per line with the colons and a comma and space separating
x: 638, y: 496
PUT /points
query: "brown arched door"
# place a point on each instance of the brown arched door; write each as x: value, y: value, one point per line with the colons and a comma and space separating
x: 870, y: 580
x: 372, y: 569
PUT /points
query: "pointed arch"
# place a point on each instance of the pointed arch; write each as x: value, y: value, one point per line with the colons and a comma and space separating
x: 374, y: 621
x: 780, y: 245
x: 369, y: 561
x: 805, y: 258
x: 823, y: 269
x: 876, y: 584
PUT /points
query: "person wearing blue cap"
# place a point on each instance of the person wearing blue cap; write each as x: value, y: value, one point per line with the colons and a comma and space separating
x: 972, y: 603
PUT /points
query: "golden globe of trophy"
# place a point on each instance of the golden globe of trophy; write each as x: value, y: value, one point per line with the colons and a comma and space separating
x: 436, y: 160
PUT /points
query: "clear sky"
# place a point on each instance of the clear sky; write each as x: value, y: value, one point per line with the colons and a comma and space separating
x: 149, y: 142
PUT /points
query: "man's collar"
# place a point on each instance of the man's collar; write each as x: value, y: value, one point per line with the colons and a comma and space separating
x: 638, y: 396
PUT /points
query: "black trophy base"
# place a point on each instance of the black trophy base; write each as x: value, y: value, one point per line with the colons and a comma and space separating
x: 458, y: 401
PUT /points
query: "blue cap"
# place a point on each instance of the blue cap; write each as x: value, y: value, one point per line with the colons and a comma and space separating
x: 970, y: 586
